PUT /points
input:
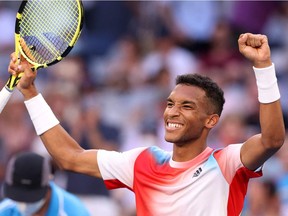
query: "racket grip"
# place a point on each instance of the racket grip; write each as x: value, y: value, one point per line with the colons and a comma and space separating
x: 5, y: 95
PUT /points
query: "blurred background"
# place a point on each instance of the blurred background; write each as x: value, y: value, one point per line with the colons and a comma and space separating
x: 110, y: 92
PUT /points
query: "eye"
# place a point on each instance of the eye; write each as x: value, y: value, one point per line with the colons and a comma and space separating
x: 187, y: 107
x: 170, y: 104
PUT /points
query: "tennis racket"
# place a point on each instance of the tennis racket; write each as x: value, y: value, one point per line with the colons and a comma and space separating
x: 45, y: 32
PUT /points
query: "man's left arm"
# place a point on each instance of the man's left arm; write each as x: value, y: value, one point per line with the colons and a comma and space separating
x: 259, y: 148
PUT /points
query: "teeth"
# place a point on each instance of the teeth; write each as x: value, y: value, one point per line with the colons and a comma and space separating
x: 174, y: 125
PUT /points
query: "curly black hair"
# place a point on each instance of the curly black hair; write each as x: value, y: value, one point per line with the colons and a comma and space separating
x: 213, y: 92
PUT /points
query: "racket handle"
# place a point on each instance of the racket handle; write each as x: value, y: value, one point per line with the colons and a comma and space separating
x: 5, y: 95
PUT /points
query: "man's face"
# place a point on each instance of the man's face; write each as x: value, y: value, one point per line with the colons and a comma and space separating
x: 28, y: 209
x: 185, y: 114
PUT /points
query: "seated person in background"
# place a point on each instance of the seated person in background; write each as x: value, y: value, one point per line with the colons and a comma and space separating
x: 29, y: 191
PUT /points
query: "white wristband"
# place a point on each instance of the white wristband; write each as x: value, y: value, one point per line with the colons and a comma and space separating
x: 41, y: 114
x: 266, y: 80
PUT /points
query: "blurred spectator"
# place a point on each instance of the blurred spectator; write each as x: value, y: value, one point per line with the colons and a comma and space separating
x: 94, y: 133
x: 222, y: 60
x: 191, y: 23
x: 123, y: 65
x: 7, y: 44
x: 167, y: 54
x: 250, y: 16
x: 30, y: 191
x: 282, y: 182
x: 276, y: 29
x: 105, y: 23
x: 15, y: 133
x: 232, y: 129
x: 262, y: 199
x: 7, y: 17
x: 276, y: 25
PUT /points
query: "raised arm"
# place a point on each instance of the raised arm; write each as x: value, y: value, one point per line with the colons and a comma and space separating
x: 61, y: 146
x: 261, y: 147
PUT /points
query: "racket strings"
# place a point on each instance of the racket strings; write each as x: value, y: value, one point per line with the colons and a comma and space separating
x: 48, y: 28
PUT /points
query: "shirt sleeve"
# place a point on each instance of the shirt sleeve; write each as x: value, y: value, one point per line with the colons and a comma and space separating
x: 230, y: 162
x: 118, y: 166
x: 8, y: 208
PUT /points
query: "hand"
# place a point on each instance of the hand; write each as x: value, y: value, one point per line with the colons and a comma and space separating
x: 26, y: 84
x: 255, y: 48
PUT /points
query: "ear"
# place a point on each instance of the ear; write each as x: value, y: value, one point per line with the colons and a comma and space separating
x: 212, y: 121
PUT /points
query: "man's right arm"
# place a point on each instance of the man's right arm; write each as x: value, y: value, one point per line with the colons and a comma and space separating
x: 66, y: 152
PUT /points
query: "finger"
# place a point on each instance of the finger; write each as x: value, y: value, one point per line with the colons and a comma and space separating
x: 13, y: 67
x: 242, y: 42
x: 13, y: 57
x: 255, y: 41
x: 12, y: 72
x: 25, y: 67
x: 241, y: 39
x: 264, y: 39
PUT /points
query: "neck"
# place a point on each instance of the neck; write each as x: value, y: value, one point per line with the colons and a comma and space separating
x: 182, y: 153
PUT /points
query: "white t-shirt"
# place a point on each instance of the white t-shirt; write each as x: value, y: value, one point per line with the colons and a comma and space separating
x: 212, y: 184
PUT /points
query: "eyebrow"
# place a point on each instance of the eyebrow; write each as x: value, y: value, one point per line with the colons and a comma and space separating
x: 183, y: 102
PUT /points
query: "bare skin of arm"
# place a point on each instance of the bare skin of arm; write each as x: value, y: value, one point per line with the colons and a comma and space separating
x: 66, y: 152
x: 261, y: 147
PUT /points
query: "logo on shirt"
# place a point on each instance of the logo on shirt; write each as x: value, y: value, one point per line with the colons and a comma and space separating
x: 197, y: 173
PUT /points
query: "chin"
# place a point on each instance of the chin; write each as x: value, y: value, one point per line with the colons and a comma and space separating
x: 170, y: 139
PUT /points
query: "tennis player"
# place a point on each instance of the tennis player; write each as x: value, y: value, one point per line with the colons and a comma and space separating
x: 193, y: 179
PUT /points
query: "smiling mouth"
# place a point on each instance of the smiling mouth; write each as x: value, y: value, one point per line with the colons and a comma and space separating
x: 174, y: 125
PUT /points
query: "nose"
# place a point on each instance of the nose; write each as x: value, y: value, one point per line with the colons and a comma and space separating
x: 173, y: 111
